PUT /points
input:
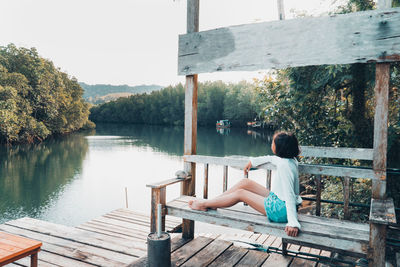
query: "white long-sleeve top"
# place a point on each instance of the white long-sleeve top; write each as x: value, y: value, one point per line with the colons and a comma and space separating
x: 284, y: 183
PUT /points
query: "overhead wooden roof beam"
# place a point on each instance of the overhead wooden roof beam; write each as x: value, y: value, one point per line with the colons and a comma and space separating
x: 362, y: 37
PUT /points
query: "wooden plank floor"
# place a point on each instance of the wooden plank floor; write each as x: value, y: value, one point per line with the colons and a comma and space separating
x: 119, y: 239
x: 115, y: 239
x: 219, y: 250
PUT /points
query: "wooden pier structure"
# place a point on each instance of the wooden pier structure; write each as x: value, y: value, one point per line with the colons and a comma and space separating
x: 354, y: 38
x: 119, y: 238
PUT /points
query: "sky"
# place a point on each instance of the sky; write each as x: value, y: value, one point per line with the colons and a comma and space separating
x: 130, y: 42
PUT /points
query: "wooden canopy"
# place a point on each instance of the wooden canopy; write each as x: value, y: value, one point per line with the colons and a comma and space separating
x: 362, y: 37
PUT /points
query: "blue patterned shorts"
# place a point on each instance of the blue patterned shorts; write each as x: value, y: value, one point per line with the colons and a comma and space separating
x: 275, y: 208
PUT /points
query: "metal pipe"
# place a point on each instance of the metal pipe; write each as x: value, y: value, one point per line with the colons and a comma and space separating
x: 159, y: 207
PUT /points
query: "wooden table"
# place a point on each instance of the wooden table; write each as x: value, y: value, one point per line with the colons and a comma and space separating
x: 14, y: 247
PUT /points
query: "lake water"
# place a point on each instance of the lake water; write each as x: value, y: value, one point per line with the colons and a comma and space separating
x: 76, y: 178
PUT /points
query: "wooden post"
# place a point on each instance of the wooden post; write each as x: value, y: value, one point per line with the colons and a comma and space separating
x: 268, y: 183
x: 157, y: 197
x: 346, y: 197
x: 318, y: 195
x: 281, y: 10
x: 126, y: 197
x: 377, y: 234
x: 225, y: 179
x: 377, y: 239
x: 246, y: 176
x: 281, y: 13
x: 205, y: 189
x: 189, y: 187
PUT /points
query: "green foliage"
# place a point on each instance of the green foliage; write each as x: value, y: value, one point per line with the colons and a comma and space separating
x: 216, y: 100
x: 36, y: 99
x: 311, y: 101
x: 31, y: 175
x: 360, y: 192
x: 321, y: 105
x: 334, y: 106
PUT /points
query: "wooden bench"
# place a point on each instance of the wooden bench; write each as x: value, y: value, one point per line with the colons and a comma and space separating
x: 13, y: 248
x: 343, y: 236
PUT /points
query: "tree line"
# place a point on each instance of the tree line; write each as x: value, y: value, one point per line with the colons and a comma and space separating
x: 36, y: 98
x: 216, y: 100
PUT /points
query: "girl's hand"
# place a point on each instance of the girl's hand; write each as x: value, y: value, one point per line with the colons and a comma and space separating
x: 247, y: 168
x: 291, y: 231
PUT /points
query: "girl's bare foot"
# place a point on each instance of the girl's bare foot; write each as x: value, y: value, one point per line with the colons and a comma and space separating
x: 197, y: 205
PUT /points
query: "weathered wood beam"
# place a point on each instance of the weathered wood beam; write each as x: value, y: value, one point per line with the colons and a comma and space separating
x: 205, y: 187
x: 382, y: 78
x: 167, y: 182
x: 346, y: 197
x: 268, y: 181
x: 158, y: 196
x: 303, y: 168
x: 377, y: 240
x: 281, y: 10
x: 337, y: 152
x: 362, y: 37
x: 190, y: 138
x: 225, y: 179
x: 318, y: 195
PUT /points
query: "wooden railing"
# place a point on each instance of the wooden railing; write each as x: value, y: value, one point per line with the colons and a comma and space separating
x: 347, y: 172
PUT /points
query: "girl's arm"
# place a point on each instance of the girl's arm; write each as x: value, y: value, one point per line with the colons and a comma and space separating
x: 258, y: 161
x: 290, y: 200
x: 262, y: 160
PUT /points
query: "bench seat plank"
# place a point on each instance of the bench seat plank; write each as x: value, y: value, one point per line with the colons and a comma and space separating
x: 331, y: 237
x: 310, y: 218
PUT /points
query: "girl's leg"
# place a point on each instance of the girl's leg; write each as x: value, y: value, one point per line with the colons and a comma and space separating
x: 227, y: 200
x: 248, y: 185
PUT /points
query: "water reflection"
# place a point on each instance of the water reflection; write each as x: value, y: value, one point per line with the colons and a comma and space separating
x: 76, y: 178
x: 223, y: 131
x: 170, y: 139
x: 32, y: 176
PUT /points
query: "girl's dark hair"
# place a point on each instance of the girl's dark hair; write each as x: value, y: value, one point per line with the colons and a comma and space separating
x: 286, y: 145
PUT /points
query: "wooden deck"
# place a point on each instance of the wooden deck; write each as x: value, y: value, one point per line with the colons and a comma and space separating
x: 115, y: 239
x: 119, y: 239
x: 219, y: 250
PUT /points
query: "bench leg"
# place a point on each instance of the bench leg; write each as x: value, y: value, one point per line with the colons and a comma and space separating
x: 34, y: 260
x: 284, y: 246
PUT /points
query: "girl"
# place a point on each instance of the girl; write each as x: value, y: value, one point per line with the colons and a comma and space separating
x: 279, y: 204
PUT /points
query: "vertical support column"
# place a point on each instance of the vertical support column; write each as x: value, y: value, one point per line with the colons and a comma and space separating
x: 268, y: 184
x: 281, y: 10
x: 318, y: 195
x: 245, y: 176
x: 377, y: 235
x: 346, y: 197
x: 205, y: 188
x: 189, y: 187
x: 281, y: 16
x: 225, y: 179
x: 157, y: 197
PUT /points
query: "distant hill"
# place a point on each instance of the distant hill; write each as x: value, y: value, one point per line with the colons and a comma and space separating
x: 100, y: 93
